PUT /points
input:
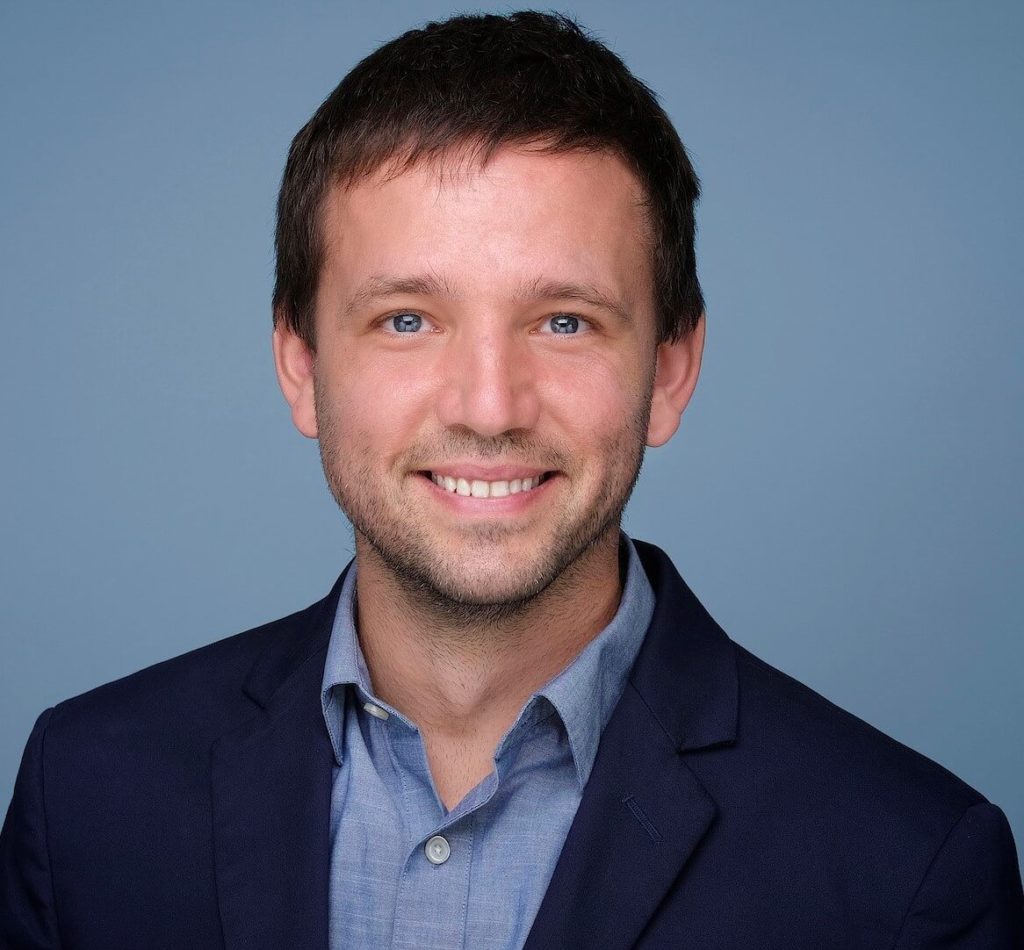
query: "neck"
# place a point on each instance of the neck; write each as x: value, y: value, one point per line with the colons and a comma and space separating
x: 466, y: 677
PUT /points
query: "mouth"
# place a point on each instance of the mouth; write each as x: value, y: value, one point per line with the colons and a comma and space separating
x: 456, y: 484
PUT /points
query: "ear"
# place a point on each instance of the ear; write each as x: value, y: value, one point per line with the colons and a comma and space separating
x: 675, y: 378
x: 294, y: 363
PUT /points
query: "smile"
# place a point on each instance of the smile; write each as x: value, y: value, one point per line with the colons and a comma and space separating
x: 478, y: 488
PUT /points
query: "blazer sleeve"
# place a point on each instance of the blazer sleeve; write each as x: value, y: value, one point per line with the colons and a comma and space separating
x: 970, y: 897
x: 28, y: 920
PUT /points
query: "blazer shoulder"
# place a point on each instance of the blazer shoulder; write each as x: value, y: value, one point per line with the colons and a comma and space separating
x: 830, y: 752
x: 785, y: 742
x: 912, y: 848
x: 201, y: 691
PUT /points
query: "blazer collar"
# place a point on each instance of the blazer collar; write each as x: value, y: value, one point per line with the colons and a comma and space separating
x: 686, y: 669
x: 271, y: 794
x: 305, y: 633
x: 644, y: 811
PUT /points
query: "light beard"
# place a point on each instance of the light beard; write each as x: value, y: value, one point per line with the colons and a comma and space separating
x: 410, y: 556
x: 429, y: 596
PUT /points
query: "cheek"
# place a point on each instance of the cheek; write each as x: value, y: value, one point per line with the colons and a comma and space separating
x: 593, y: 393
x: 362, y: 377
x: 377, y: 373
x: 372, y: 410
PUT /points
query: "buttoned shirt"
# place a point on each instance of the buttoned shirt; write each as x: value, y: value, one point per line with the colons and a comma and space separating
x: 407, y: 873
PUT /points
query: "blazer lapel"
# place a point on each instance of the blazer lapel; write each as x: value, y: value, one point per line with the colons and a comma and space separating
x: 643, y: 811
x: 641, y: 816
x: 271, y: 787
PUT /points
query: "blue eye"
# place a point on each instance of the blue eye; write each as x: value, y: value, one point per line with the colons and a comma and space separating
x: 406, y: 322
x: 565, y: 323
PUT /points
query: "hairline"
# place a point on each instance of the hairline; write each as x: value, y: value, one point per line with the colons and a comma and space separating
x: 470, y: 151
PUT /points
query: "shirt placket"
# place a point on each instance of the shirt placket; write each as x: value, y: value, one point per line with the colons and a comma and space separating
x: 433, y: 890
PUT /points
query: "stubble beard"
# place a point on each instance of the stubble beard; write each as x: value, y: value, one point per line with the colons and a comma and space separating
x: 412, y: 555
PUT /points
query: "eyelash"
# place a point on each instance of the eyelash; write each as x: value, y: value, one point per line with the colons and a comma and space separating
x: 387, y: 323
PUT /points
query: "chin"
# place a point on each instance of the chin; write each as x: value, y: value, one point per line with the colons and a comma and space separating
x: 495, y: 586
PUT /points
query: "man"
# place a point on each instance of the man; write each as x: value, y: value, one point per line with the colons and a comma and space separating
x: 507, y: 724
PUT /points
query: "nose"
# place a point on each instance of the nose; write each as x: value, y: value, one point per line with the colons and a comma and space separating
x: 489, y: 383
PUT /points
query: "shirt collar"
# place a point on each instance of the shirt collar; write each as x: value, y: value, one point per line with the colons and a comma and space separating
x: 345, y: 664
x: 584, y: 694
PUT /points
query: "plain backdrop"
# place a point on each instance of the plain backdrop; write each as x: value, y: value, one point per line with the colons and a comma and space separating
x: 844, y: 493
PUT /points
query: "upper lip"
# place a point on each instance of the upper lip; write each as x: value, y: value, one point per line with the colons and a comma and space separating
x: 486, y: 473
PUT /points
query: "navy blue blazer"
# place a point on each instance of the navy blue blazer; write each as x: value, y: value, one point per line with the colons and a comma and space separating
x: 187, y: 806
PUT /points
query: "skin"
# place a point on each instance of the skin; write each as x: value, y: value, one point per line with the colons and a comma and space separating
x: 467, y: 605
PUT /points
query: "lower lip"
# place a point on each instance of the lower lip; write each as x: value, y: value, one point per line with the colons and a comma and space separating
x: 469, y: 506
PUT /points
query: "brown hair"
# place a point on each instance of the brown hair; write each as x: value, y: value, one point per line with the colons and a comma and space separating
x: 484, y: 82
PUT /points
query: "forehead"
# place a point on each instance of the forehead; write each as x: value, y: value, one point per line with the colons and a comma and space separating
x: 523, y: 215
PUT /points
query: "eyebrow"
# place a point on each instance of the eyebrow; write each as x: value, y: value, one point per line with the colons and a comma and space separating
x: 430, y: 285
x: 584, y: 293
x: 426, y: 285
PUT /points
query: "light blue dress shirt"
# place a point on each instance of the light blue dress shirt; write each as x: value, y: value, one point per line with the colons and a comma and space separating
x: 405, y: 873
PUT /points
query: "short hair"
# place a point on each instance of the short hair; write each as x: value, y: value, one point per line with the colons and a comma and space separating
x: 487, y: 81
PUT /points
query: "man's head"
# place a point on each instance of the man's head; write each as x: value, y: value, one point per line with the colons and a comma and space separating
x: 483, y: 82
x: 484, y: 315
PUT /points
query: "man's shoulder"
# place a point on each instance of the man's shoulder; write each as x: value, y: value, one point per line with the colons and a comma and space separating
x: 830, y: 763
x: 771, y: 738
x: 194, y: 696
x: 816, y: 822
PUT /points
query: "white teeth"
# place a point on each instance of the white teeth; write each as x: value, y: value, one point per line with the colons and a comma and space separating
x: 478, y: 488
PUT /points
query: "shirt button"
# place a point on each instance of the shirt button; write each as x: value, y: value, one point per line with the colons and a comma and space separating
x: 437, y: 850
x: 374, y: 710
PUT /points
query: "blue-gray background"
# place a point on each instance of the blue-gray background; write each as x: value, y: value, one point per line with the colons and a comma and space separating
x: 844, y: 494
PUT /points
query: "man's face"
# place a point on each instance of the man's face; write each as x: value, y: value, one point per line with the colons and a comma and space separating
x: 484, y: 366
